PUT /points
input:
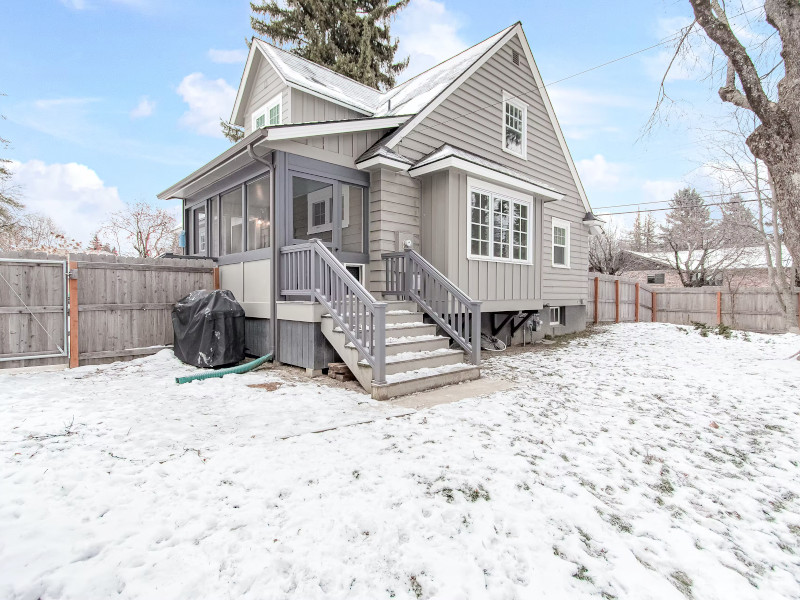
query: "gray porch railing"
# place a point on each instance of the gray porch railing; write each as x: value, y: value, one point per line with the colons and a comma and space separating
x: 312, y: 271
x: 410, y: 276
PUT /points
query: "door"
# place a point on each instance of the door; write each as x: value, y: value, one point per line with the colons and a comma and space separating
x: 332, y: 211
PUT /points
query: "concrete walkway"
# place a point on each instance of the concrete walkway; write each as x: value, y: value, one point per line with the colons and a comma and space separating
x: 453, y: 393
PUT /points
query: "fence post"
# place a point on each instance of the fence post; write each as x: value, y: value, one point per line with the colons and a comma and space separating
x: 636, y: 309
x: 616, y: 301
x: 653, y: 308
x: 596, y: 300
x: 216, y: 278
x: 73, y: 315
x: 719, y: 308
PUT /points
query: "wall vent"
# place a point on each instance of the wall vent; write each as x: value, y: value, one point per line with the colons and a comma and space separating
x: 515, y: 57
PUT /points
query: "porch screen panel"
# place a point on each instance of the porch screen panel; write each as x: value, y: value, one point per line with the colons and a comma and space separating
x: 352, y: 218
x: 312, y: 209
x: 199, y: 231
x: 214, y: 226
x: 231, y: 238
x: 258, y: 217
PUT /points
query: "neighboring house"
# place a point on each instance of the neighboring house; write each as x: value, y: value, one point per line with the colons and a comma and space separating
x: 464, y: 165
x: 735, y: 267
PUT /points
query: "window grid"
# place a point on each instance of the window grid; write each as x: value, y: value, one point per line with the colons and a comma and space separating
x: 499, y: 227
x: 275, y: 115
x: 559, y: 245
x: 514, y: 128
x: 260, y: 122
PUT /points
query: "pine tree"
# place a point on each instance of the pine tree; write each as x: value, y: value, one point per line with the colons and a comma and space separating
x: 649, y: 234
x: 636, y: 236
x: 739, y: 223
x: 350, y: 37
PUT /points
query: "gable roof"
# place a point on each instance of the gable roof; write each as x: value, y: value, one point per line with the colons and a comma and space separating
x: 405, y: 99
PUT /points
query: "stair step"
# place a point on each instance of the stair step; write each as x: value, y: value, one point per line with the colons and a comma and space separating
x: 408, y: 305
x: 396, y: 316
x: 409, y: 382
x: 418, y: 343
x: 404, y: 329
x: 411, y: 361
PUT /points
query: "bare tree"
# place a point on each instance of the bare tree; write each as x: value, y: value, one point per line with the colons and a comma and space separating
x: 9, y: 202
x: 606, y: 252
x: 738, y: 171
x: 35, y: 231
x: 141, y: 230
x: 775, y: 140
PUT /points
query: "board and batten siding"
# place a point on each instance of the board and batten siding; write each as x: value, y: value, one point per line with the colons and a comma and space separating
x: 480, y: 132
x: 444, y: 242
x: 394, y: 213
x: 266, y: 85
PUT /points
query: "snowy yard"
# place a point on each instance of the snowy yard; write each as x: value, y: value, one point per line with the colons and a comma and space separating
x: 644, y: 461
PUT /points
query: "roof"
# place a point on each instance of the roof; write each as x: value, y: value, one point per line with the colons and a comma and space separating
x: 407, y: 98
x: 751, y: 257
x: 447, y: 156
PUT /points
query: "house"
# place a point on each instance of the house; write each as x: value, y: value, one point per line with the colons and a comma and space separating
x: 394, y: 228
x: 736, y: 267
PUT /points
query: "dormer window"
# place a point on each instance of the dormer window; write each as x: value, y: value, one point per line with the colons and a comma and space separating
x: 515, y: 126
x: 269, y: 114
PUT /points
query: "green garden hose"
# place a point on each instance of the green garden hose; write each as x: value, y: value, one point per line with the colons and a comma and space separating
x: 222, y: 372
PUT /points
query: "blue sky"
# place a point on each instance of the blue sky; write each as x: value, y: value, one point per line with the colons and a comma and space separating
x: 109, y: 101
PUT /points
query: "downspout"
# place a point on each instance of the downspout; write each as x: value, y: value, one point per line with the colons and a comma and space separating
x: 275, y: 251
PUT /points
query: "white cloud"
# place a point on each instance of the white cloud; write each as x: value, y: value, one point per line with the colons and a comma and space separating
x: 72, y: 194
x: 660, y: 190
x: 145, y: 108
x: 209, y: 101
x: 228, y: 56
x: 429, y: 34
x: 583, y: 113
x: 597, y: 173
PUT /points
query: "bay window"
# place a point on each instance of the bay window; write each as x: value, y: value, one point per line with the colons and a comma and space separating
x: 499, y: 226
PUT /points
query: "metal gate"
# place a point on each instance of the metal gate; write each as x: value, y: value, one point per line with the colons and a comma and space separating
x: 33, y: 311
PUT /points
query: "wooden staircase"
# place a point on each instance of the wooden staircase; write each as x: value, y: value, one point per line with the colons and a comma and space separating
x: 417, y: 358
x: 388, y: 346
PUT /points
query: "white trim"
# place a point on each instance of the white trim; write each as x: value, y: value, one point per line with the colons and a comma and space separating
x: 361, y: 269
x: 561, y: 223
x: 558, y: 319
x: 517, y: 103
x: 383, y: 161
x: 553, y: 119
x: 494, y: 191
x: 328, y: 226
x: 237, y: 105
x: 265, y: 109
x: 454, y: 162
x: 289, y: 132
x: 420, y: 116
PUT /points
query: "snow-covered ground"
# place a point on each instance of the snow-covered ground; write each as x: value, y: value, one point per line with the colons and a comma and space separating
x: 644, y: 461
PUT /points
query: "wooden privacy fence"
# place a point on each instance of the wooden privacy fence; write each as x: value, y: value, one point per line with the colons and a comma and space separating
x: 617, y: 299
x: 115, y: 307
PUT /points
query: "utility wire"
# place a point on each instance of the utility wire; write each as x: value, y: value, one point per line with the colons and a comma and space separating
x: 702, y: 195
x: 650, y: 210
x: 670, y: 38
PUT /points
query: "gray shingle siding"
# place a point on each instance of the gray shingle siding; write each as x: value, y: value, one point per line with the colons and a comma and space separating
x: 266, y: 85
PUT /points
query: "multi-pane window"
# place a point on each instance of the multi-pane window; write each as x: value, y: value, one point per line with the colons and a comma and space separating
x: 261, y: 120
x: 269, y: 114
x: 275, y: 115
x: 560, y: 243
x: 556, y: 315
x: 514, y: 136
x: 499, y: 227
x: 319, y: 213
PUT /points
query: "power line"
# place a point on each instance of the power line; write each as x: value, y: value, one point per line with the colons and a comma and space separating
x: 702, y: 195
x: 672, y: 37
x: 650, y: 210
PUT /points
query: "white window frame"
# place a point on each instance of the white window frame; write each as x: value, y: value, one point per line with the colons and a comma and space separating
x: 566, y: 226
x: 509, y: 99
x: 557, y: 321
x: 495, y: 191
x: 265, y: 110
x: 328, y: 226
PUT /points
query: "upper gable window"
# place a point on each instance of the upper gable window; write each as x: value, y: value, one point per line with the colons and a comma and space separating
x: 269, y: 114
x: 515, y: 126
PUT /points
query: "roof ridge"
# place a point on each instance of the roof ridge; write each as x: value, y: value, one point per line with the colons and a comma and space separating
x: 311, y: 62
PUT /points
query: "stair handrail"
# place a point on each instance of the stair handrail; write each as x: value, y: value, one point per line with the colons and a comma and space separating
x: 410, y: 275
x: 315, y: 271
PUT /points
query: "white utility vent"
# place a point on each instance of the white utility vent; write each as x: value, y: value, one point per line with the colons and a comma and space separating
x: 515, y: 57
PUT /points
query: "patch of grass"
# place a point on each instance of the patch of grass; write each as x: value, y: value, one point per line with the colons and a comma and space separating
x: 356, y: 474
x: 416, y: 587
x: 683, y: 582
x: 583, y: 574
x: 475, y: 494
x: 620, y: 523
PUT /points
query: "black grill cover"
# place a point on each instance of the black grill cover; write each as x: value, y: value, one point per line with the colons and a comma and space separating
x: 209, y: 329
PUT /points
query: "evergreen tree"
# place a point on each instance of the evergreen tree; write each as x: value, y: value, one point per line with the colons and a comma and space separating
x: 636, y: 236
x: 739, y: 224
x: 350, y: 37
x: 649, y: 234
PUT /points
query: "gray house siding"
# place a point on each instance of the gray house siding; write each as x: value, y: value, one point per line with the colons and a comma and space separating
x: 394, y: 215
x: 480, y: 132
x: 266, y: 85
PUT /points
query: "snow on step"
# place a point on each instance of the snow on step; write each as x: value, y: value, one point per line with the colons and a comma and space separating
x: 426, y: 372
x: 405, y: 356
x: 391, y: 326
